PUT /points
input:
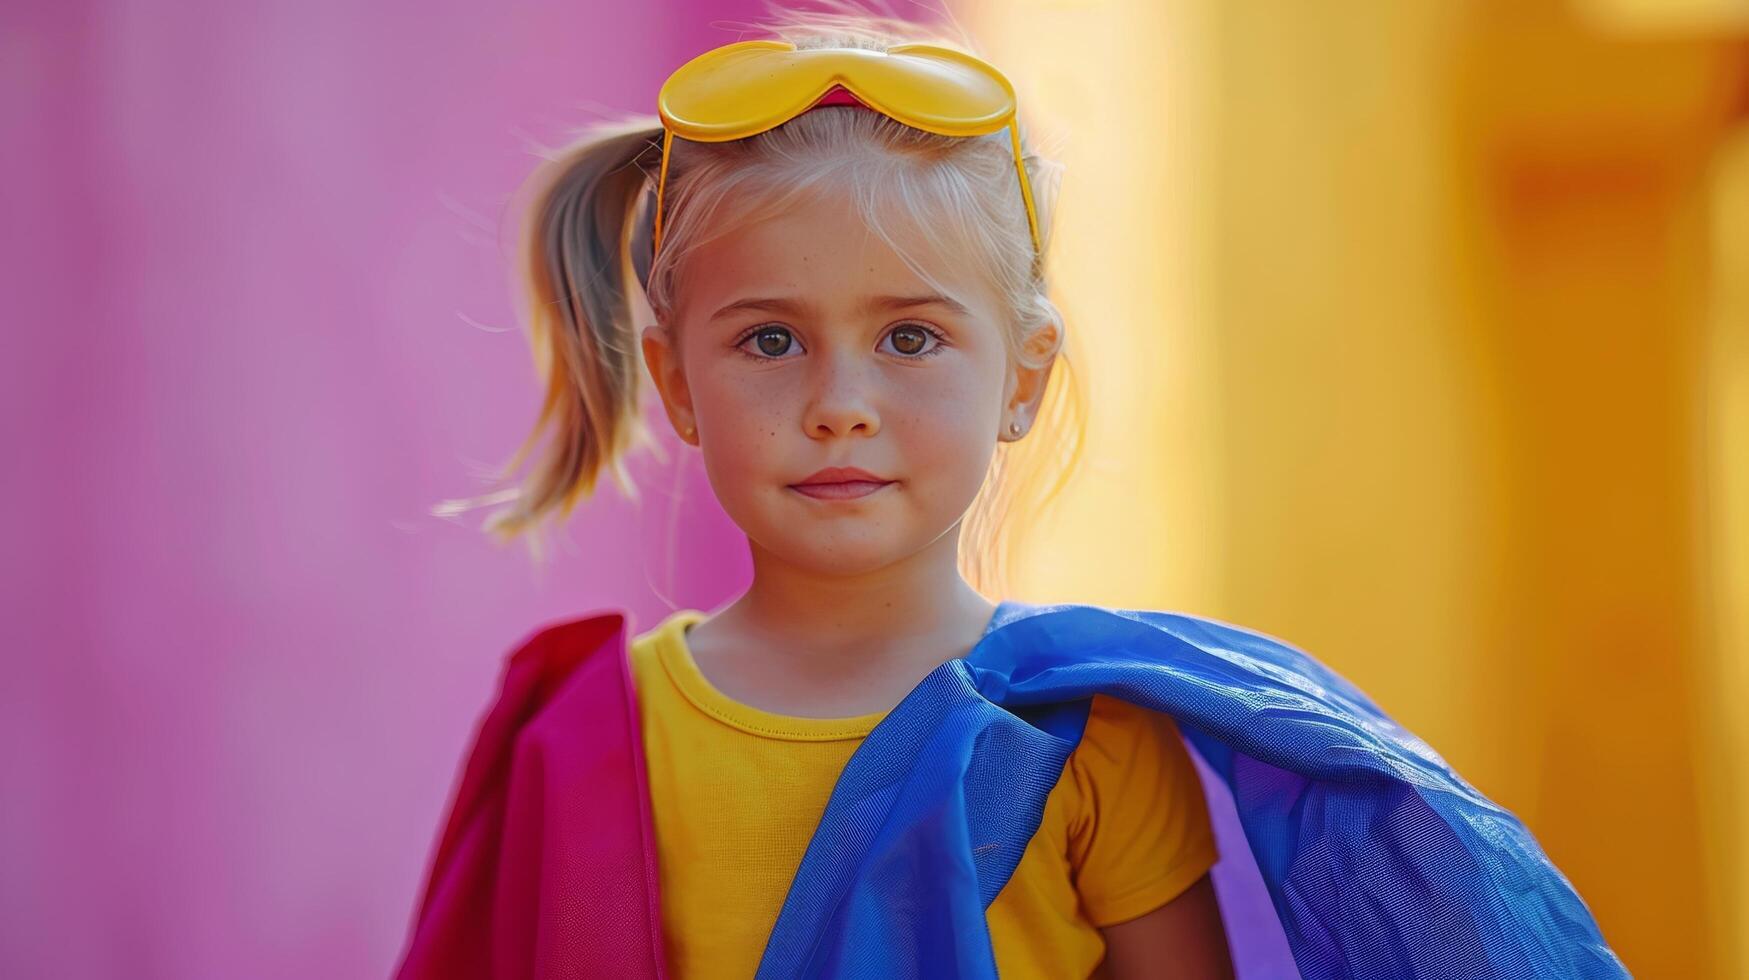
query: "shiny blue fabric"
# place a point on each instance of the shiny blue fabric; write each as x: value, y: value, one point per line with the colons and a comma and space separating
x: 1378, y: 859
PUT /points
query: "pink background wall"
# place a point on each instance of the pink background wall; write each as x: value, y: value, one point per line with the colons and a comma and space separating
x: 256, y: 322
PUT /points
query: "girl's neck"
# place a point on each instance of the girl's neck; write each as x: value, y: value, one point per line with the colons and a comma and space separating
x: 920, y: 607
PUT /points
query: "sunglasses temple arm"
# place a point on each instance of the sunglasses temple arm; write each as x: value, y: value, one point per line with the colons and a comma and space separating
x: 661, y: 187
x: 1026, y: 191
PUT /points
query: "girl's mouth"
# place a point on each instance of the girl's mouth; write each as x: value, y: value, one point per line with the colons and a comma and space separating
x: 848, y: 490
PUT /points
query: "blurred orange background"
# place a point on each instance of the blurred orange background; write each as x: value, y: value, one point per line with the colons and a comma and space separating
x: 1440, y: 312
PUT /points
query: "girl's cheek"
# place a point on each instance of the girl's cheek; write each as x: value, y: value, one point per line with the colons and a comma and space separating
x: 957, y: 408
x: 752, y: 424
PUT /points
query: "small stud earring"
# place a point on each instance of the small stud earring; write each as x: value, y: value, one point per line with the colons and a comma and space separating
x: 1014, y: 428
x: 689, y: 431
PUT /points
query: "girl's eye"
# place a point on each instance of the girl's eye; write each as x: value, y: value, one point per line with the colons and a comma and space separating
x: 772, y: 342
x: 916, y: 340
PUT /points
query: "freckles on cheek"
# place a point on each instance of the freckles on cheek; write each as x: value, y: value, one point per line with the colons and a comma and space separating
x: 752, y: 423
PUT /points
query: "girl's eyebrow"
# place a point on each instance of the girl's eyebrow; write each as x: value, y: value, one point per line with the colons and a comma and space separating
x: 874, y: 304
x: 887, y: 304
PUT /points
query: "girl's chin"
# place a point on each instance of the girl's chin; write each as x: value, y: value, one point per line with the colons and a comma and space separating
x: 831, y: 556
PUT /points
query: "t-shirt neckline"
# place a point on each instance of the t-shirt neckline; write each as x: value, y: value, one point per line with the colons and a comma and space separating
x: 676, y: 658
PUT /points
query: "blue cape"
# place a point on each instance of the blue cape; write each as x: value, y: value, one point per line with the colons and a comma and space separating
x: 1376, y: 858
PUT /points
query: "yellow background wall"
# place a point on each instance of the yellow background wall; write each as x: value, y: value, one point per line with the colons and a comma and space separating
x: 1417, y: 334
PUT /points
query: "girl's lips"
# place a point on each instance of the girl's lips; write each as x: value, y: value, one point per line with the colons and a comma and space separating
x: 848, y: 490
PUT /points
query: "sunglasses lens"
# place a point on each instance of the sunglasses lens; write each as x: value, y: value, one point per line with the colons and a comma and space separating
x: 743, y: 89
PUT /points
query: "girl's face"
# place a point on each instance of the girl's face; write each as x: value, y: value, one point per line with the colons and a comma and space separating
x: 804, y: 342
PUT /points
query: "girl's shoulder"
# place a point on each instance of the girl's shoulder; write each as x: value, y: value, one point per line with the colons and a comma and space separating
x: 646, y: 646
x: 555, y: 648
x: 1121, y: 736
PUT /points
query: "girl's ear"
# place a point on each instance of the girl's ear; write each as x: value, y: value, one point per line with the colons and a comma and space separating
x: 662, y: 358
x: 1029, y: 382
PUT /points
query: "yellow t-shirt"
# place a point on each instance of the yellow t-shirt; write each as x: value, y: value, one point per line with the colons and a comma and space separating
x: 737, y: 792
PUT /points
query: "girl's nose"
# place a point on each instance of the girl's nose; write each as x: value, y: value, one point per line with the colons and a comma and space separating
x: 842, y: 401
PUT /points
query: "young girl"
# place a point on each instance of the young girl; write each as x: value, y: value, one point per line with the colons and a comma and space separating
x: 862, y: 766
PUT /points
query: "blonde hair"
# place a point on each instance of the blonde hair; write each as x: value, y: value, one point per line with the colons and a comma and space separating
x: 587, y: 238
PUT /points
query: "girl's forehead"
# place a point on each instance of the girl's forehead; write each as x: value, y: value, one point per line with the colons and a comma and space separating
x: 825, y: 249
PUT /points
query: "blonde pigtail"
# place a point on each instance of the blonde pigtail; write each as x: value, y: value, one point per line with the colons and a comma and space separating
x: 574, y: 258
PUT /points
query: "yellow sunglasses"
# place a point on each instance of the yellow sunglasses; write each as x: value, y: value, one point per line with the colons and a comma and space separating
x: 746, y: 88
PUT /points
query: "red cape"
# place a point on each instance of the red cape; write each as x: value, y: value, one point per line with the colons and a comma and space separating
x: 547, y: 865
